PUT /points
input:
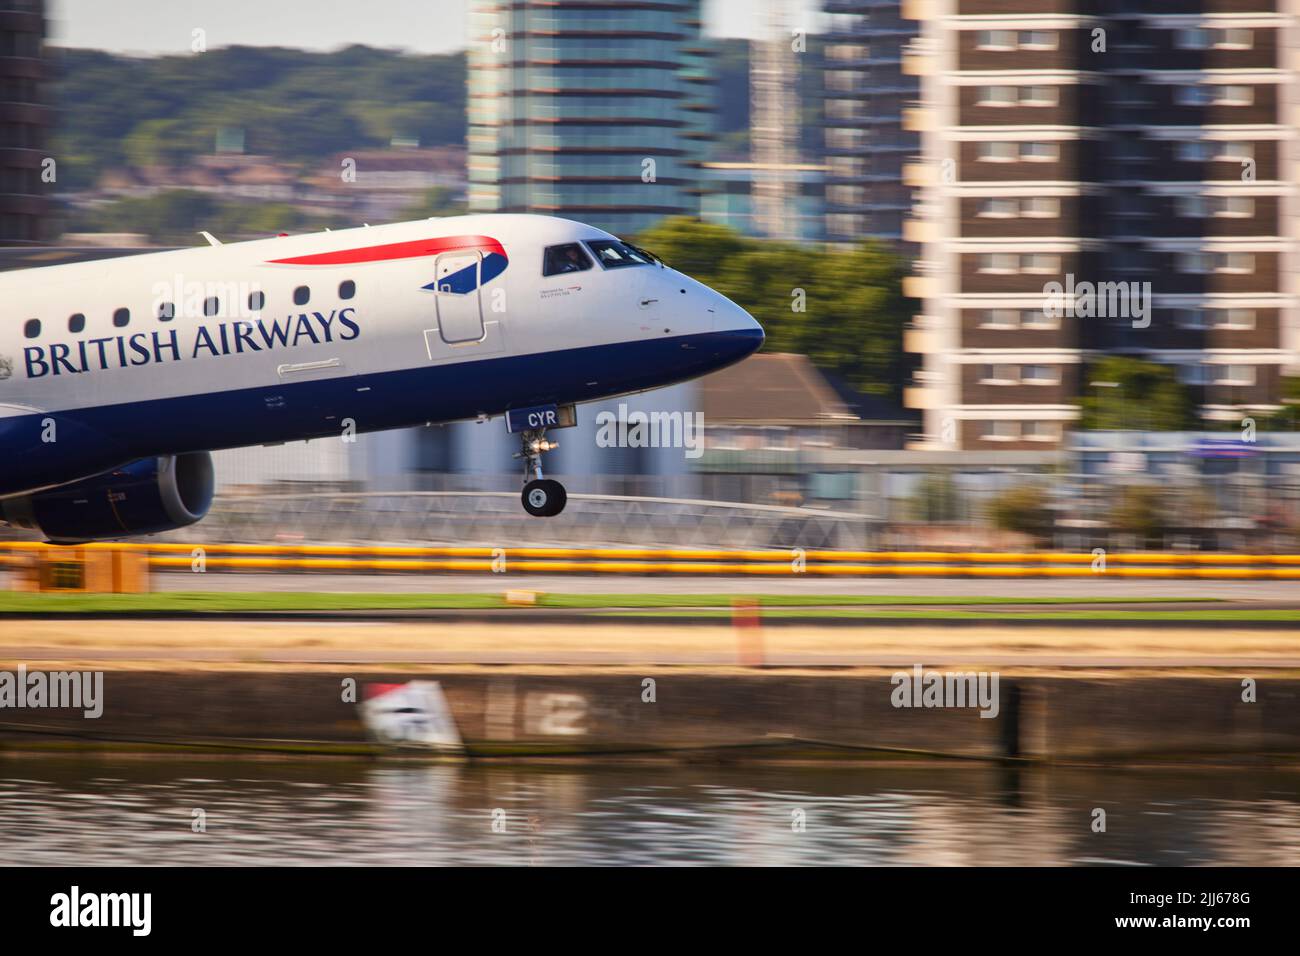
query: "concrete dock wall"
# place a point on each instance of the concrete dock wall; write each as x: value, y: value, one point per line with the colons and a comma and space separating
x: 734, y: 714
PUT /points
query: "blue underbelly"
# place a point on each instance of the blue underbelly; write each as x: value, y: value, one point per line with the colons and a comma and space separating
x: 92, y: 440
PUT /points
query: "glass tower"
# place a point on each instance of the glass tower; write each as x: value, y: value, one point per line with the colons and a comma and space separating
x: 588, y: 109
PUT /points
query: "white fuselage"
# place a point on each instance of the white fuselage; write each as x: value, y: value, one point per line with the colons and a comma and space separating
x: 435, y: 320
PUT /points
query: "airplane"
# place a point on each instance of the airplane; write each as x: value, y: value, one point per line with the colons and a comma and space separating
x: 118, y: 377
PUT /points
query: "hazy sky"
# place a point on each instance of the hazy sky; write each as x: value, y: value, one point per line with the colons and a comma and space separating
x: 427, y: 26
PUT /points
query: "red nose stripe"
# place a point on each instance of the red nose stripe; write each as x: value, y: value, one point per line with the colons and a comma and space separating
x: 396, y: 250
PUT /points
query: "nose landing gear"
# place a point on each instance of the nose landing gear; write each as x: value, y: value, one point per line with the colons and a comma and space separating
x: 542, y: 497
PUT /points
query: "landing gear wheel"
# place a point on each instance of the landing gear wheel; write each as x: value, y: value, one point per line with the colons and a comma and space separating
x: 544, y: 497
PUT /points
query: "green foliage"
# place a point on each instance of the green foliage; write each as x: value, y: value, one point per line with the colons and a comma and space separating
x: 297, y: 105
x: 1022, y: 509
x: 843, y: 308
x: 436, y: 201
x: 1287, y: 418
x: 936, y: 498
x: 1147, y: 396
x: 1139, y: 511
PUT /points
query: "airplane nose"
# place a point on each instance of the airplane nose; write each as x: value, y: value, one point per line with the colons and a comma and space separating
x: 739, y: 334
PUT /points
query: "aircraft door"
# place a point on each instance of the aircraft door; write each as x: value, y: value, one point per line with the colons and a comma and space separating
x: 460, y: 310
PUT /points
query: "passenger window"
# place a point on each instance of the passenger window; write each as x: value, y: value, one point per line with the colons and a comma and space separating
x: 567, y: 258
x: 166, y: 311
x: 122, y: 318
x: 211, y: 306
x: 347, y: 289
x: 301, y: 295
x: 256, y: 300
x: 76, y: 323
x: 32, y: 329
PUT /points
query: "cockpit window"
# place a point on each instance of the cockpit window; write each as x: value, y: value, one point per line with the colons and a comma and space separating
x: 567, y: 258
x: 614, y: 253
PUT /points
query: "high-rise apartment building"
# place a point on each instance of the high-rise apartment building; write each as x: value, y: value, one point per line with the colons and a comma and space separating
x: 865, y: 94
x: 588, y: 109
x: 24, y: 123
x: 1078, y: 155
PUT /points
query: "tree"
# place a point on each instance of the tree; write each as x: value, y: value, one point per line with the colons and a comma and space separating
x: 1022, y: 509
x: 693, y: 247
x: 436, y: 201
x: 1286, y: 418
x: 1139, y: 511
x: 843, y: 308
x: 1137, y: 395
x: 936, y: 499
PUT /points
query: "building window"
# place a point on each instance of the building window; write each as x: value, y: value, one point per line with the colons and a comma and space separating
x: 301, y: 295
x: 1007, y: 40
x: 1038, y: 96
x: 999, y: 263
x: 76, y: 323
x: 1234, y: 151
x: 1040, y: 431
x: 1228, y: 207
x: 1001, y: 431
x: 1039, y: 375
x: 122, y: 318
x: 347, y: 289
x: 999, y: 207
x: 998, y: 152
x: 1215, y: 95
x: 1000, y: 319
x: 1000, y: 375
x: 1234, y: 207
x: 1210, y: 38
x: 1040, y: 263
x: 1235, y: 95
x: 1207, y: 263
x: 1038, y: 152
x: 1236, y: 319
x: 1038, y: 40
x: 1040, y: 207
x: 1194, y: 151
x: 1234, y: 374
x: 995, y: 40
x: 1016, y: 319
x: 997, y: 96
x: 32, y: 328
x: 1219, y: 151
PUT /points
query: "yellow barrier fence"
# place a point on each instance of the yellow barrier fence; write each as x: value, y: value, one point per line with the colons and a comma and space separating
x: 400, y: 558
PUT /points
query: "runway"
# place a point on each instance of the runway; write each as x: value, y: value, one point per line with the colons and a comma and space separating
x: 189, y: 644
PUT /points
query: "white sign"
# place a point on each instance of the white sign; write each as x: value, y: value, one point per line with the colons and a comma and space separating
x: 414, y: 714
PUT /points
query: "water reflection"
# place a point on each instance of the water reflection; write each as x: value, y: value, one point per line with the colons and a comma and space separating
x: 115, y: 810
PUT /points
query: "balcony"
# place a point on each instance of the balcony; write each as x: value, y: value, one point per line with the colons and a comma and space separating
x: 920, y: 287
x: 921, y: 10
x: 921, y: 337
x: 920, y: 119
x: 921, y: 230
